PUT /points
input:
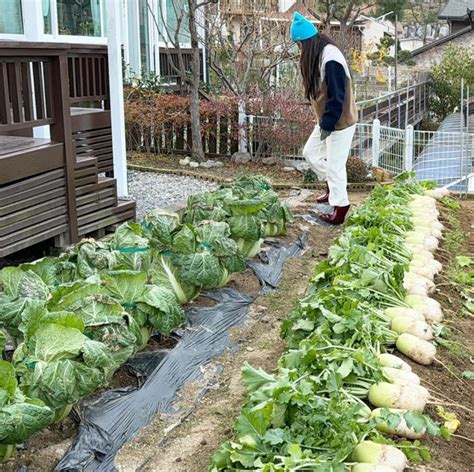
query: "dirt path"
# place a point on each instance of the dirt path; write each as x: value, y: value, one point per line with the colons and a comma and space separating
x: 186, y: 444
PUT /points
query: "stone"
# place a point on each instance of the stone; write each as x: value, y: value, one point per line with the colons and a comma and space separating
x: 184, y: 162
x: 193, y: 164
x: 299, y: 198
x: 288, y: 169
x: 241, y: 157
x: 302, y: 167
x: 207, y: 164
x: 210, y: 163
x: 271, y: 161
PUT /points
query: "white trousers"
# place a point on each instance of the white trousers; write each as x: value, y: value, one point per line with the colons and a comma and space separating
x: 328, y: 160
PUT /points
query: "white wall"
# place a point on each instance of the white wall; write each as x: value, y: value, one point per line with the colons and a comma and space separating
x: 410, y: 44
x: 285, y: 5
x: 373, y: 32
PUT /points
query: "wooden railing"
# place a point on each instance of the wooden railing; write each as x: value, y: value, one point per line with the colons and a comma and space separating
x: 26, y: 95
x: 88, y: 73
x: 55, y: 187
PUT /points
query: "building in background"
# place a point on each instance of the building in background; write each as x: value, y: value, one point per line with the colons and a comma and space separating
x: 140, y: 35
x: 147, y: 29
x: 460, y: 16
x: 456, y: 13
x: 374, y: 30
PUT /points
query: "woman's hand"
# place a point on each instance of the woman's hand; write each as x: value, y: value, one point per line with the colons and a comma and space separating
x: 324, y: 134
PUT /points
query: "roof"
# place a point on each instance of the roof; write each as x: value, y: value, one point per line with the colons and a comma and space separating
x: 456, y: 10
x: 444, y: 39
x: 445, y: 157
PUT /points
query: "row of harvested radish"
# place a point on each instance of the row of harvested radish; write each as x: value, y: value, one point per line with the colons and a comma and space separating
x: 402, y: 392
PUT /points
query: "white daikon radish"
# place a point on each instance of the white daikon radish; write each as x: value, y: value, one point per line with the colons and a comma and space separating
x: 402, y: 429
x: 418, y: 328
x: 389, y: 360
x: 424, y: 208
x: 424, y: 198
x: 422, y: 352
x: 389, y: 395
x: 415, y: 283
x: 424, y: 254
x: 421, y: 210
x: 414, y: 237
x: 415, y: 248
x: 395, y: 311
x: 428, y: 242
x: 366, y: 467
x: 432, y: 264
x: 429, y: 231
x: 437, y: 193
x: 428, y: 307
x: 380, y: 454
x: 424, y: 271
x: 400, y: 376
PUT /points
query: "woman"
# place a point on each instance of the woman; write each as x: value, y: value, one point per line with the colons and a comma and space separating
x: 328, y: 85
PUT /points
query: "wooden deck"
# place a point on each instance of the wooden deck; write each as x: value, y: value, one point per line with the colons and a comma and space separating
x: 62, y: 187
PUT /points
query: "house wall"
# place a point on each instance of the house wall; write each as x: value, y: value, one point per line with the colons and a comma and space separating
x: 455, y: 26
x: 433, y: 56
x: 372, y: 33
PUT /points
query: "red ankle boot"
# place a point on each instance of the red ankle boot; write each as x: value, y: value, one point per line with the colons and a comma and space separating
x: 337, y: 217
x: 324, y: 198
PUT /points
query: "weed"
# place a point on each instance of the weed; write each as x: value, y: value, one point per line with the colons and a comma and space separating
x: 448, y: 202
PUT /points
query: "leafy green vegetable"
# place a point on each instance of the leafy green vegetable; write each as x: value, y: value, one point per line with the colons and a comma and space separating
x: 308, y: 415
x: 78, y: 317
x: 20, y: 416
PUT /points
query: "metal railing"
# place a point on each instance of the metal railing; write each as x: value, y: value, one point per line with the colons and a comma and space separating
x: 446, y: 157
x: 398, y: 109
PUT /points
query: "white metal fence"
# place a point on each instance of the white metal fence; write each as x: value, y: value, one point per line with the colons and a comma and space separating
x: 445, y: 156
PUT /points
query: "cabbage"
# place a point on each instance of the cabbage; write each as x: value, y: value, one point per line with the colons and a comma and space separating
x: 54, y: 364
x: 150, y: 306
x: 249, y: 206
x: 20, y: 416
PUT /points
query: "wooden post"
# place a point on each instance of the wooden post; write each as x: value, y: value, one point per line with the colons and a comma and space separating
x: 61, y: 132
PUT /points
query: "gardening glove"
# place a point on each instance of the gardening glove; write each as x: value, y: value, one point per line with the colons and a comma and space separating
x: 324, y: 134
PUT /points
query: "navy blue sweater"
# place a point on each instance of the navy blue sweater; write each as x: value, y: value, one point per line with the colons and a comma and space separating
x: 335, y: 77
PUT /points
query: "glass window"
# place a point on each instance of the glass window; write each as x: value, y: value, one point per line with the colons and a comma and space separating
x: 79, y: 17
x: 144, y: 36
x: 48, y: 29
x: 177, y: 16
x: 11, y: 21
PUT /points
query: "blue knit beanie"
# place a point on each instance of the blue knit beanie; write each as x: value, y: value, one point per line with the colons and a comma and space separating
x: 301, y: 28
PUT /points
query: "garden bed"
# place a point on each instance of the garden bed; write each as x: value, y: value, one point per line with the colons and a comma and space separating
x: 186, y: 442
x: 189, y: 444
x: 43, y: 450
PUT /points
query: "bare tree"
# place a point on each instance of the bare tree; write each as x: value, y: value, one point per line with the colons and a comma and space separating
x: 423, y: 13
x: 244, y: 52
x: 186, y: 12
x: 346, y: 13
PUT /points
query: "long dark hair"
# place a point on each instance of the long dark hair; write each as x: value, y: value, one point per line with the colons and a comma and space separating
x: 311, y: 50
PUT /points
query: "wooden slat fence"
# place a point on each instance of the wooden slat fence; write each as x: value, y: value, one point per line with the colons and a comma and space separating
x: 220, y: 137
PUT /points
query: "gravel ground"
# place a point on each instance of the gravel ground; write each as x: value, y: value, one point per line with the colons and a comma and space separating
x: 152, y: 190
